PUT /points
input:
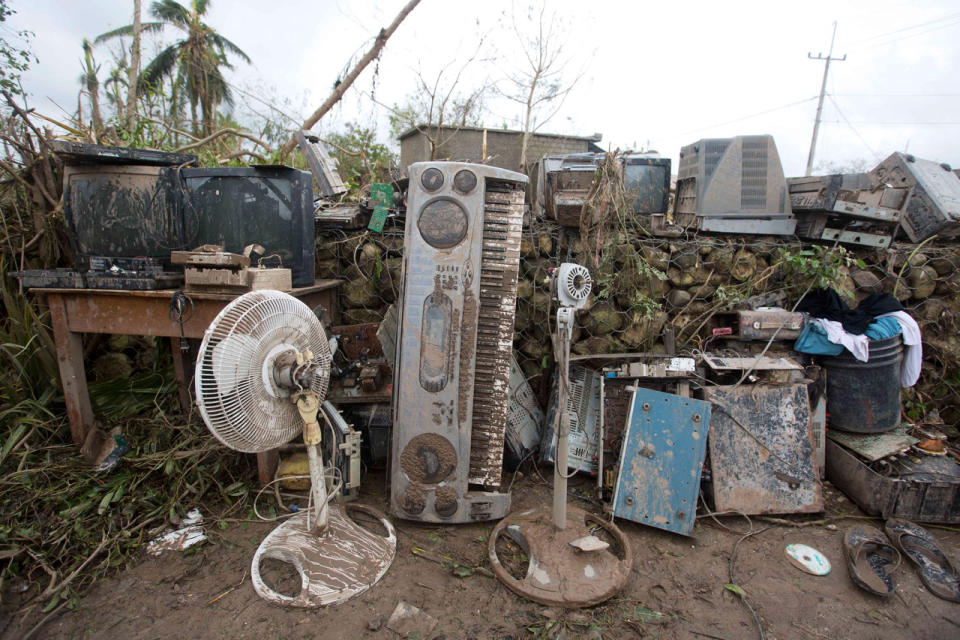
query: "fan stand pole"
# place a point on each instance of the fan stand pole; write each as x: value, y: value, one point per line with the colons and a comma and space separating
x: 308, y: 404
x: 561, y: 352
x: 318, y: 489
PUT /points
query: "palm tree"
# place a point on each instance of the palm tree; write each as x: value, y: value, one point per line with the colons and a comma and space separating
x: 90, y: 84
x: 193, y: 63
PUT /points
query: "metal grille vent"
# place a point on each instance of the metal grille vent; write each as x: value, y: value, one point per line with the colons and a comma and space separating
x: 753, y: 176
x: 713, y: 151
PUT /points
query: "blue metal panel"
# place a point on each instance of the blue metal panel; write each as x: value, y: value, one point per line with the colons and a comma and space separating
x: 661, y: 460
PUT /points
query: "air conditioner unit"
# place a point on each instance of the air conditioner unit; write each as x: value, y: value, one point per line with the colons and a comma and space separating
x: 733, y: 185
x: 455, y: 343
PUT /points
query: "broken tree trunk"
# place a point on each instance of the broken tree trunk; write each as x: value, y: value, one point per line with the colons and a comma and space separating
x: 342, y: 86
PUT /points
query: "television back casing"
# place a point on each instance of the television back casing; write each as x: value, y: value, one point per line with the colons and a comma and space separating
x: 455, y: 343
x: 933, y: 204
x: 733, y: 185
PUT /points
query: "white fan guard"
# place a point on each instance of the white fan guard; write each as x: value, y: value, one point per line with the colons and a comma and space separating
x: 573, y: 283
x: 231, y: 380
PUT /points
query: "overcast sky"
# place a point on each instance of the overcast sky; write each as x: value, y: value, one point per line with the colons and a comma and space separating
x: 651, y: 74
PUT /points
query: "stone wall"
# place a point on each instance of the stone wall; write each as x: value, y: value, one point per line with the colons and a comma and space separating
x: 645, y: 286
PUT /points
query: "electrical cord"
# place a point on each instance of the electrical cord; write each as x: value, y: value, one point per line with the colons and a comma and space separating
x: 181, y: 311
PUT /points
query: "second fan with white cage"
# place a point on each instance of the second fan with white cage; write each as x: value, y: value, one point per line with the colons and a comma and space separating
x: 262, y: 373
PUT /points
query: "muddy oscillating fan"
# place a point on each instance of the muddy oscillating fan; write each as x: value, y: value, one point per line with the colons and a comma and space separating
x: 262, y: 372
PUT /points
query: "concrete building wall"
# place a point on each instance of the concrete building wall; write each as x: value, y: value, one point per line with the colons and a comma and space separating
x: 503, y: 147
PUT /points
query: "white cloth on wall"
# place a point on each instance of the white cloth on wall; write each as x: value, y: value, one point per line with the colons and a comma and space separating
x: 913, y: 354
x: 859, y: 346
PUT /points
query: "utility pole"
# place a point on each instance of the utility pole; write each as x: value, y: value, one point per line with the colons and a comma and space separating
x: 823, y: 90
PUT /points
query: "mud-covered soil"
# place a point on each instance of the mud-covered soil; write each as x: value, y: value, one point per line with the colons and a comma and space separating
x: 676, y: 590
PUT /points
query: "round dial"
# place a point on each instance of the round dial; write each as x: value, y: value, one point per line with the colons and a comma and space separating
x: 443, y: 223
x: 431, y: 179
x: 465, y: 181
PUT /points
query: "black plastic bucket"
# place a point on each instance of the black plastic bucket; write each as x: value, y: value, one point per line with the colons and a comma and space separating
x: 864, y: 397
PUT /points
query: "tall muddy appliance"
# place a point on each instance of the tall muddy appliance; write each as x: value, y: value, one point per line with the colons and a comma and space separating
x: 455, y: 341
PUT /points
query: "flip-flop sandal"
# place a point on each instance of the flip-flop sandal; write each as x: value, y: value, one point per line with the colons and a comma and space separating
x: 936, y: 572
x: 871, y: 559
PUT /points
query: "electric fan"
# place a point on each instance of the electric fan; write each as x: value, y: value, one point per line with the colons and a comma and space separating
x: 568, y: 565
x: 262, y: 372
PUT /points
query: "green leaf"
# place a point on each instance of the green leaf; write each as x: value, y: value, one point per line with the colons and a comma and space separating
x: 736, y: 589
x: 105, y: 502
x: 52, y: 604
x: 12, y: 440
x: 462, y: 572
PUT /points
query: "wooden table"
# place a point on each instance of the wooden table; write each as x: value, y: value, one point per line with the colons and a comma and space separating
x: 144, y: 313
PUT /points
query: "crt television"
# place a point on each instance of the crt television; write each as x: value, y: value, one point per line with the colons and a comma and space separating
x: 130, y: 203
x: 268, y: 205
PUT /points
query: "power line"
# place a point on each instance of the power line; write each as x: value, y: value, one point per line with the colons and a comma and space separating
x: 912, y: 35
x: 900, y: 123
x: 902, y: 29
x: 752, y: 115
x: 896, y: 95
x: 854, y: 129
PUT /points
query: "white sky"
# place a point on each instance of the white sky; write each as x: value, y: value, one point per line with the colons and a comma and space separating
x: 664, y: 74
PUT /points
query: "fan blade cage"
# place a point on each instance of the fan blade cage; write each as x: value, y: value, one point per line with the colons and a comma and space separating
x: 233, y: 393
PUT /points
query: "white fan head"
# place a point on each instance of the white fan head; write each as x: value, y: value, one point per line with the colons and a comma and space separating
x: 239, y: 395
x: 573, y: 285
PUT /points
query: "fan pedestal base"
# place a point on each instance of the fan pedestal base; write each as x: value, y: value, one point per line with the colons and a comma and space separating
x: 558, y: 573
x: 340, y: 563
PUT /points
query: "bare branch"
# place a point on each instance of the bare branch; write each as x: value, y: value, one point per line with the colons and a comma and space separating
x: 222, y: 132
x: 342, y: 86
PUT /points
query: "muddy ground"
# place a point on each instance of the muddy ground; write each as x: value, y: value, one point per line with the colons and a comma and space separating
x: 676, y: 589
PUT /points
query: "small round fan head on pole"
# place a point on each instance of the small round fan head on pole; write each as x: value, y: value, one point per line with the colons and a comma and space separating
x: 262, y: 372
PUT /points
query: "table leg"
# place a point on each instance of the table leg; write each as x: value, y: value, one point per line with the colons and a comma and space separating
x: 267, y: 465
x: 72, y: 373
x: 181, y: 365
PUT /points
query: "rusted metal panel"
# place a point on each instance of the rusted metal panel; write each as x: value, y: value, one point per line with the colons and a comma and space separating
x: 762, y: 325
x: 661, y: 460
x: 874, y: 446
x: 933, y: 206
x: 455, y: 340
x: 925, y: 489
x: 762, y: 450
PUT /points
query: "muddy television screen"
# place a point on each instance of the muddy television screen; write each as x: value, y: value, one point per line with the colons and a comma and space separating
x: 122, y: 211
x: 269, y: 206
x: 136, y: 211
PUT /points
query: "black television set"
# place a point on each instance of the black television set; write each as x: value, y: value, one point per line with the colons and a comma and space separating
x: 134, y: 203
x: 121, y: 202
x: 268, y: 205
